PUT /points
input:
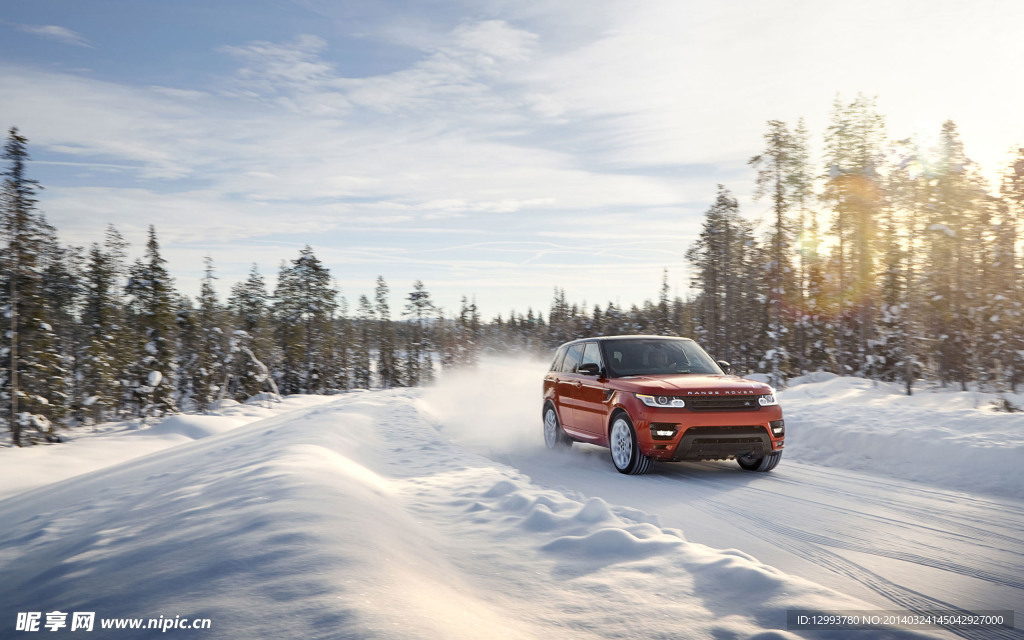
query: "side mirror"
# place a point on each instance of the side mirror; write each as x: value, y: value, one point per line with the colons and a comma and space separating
x: 589, y: 369
x: 726, y: 367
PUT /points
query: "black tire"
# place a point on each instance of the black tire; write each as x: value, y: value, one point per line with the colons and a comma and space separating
x: 554, y: 437
x: 767, y: 463
x: 622, y: 443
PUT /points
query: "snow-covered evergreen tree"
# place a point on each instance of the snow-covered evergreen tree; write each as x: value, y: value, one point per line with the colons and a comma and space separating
x: 205, y: 362
x: 151, y: 309
x: 955, y: 202
x: 304, y: 306
x: 419, y: 363
x: 250, y: 343
x: 35, y: 384
x: 467, y: 333
x: 103, y: 332
x: 363, y: 343
x: 774, y: 167
x: 730, y: 307
x: 853, y: 189
x: 387, y: 372
x: 346, y: 338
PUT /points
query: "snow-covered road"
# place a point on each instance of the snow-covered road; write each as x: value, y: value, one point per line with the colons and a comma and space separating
x: 439, y: 514
x: 895, y: 544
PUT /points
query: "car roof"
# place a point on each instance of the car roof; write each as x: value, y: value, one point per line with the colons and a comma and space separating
x: 627, y: 337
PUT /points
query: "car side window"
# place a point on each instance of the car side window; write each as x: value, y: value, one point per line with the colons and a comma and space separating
x: 572, y: 359
x: 591, y: 355
x: 558, y: 359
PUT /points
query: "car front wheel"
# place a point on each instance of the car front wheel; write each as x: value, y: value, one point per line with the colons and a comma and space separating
x: 626, y: 454
x: 554, y: 437
x: 766, y: 463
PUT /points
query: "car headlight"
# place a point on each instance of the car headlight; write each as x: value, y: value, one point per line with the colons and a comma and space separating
x: 661, y: 401
x: 767, y: 400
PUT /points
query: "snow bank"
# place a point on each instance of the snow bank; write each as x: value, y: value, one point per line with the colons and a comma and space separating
x: 87, y: 450
x: 942, y: 437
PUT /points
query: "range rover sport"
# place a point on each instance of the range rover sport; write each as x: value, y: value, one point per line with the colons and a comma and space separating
x: 659, y: 398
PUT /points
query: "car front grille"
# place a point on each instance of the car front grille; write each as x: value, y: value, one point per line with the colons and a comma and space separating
x: 722, y: 443
x: 722, y: 403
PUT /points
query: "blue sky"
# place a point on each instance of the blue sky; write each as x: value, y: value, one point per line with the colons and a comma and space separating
x: 493, y: 149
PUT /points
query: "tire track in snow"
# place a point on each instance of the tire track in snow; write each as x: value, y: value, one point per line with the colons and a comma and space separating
x: 876, y: 546
x: 905, y: 598
x: 969, y: 532
x: 811, y: 547
x: 974, y: 508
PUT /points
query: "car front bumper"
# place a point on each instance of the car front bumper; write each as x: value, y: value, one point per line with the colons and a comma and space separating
x: 709, y: 435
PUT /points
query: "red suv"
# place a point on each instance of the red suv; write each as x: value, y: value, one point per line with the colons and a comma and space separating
x: 659, y: 398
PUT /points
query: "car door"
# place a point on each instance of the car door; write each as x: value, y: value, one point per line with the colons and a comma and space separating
x: 589, y: 406
x: 565, y: 386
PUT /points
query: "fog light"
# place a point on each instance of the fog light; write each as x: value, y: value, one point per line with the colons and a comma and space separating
x: 663, y: 430
x: 778, y: 427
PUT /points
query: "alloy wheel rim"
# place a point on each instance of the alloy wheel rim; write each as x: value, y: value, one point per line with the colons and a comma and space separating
x: 550, y: 426
x: 622, y: 444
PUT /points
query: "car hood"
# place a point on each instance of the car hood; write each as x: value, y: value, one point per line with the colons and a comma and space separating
x: 691, y: 384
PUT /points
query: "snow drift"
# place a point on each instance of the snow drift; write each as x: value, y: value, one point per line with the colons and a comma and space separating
x: 943, y: 437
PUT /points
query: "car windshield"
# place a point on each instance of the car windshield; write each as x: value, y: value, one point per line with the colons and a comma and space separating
x: 656, y: 356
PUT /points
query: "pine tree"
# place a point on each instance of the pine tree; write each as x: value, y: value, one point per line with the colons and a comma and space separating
x: 191, y: 359
x: 899, y: 344
x: 341, y: 337
x: 663, y: 318
x: 419, y: 363
x: 364, y: 338
x: 597, y: 321
x: 103, y: 322
x: 729, y: 307
x: 304, y: 307
x: 1009, y: 293
x: 852, y: 187
x: 774, y: 179
x: 213, y: 358
x: 251, y: 341
x: 248, y: 302
x: 801, y: 188
x: 387, y: 372
x: 63, y: 292
x: 956, y: 206
x: 152, y: 309
x: 560, y: 327
x: 36, y: 379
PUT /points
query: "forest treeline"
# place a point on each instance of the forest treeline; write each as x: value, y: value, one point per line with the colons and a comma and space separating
x: 892, y: 260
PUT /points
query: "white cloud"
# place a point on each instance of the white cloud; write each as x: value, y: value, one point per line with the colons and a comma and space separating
x: 105, y: 121
x: 495, y: 39
x: 60, y: 34
x: 292, y: 75
x: 576, y: 124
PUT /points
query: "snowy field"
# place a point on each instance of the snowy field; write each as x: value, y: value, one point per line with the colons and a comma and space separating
x: 438, y: 514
